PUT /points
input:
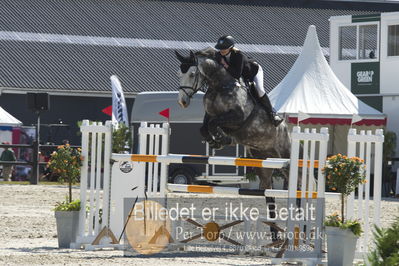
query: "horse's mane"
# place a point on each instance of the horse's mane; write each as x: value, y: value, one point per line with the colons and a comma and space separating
x: 216, y: 72
x: 207, y: 52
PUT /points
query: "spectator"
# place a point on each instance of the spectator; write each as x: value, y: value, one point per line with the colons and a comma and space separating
x: 8, y: 156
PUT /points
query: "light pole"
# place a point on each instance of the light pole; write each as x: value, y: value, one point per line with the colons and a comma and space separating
x: 37, y: 102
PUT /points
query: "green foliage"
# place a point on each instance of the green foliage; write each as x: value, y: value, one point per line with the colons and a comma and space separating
x: 388, y: 153
x: 66, y: 162
x: 352, y: 225
x: 344, y: 174
x: 67, y: 206
x: 250, y: 176
x: 386, y: 252
x: 389, y: 145
x: 121, y: 137
x: 79, y: 124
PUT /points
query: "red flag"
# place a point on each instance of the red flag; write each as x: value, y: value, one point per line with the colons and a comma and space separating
x: 165, y: 113
x: 107, y: 110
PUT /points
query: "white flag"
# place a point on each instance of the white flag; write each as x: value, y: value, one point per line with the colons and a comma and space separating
x: 356, y: 118
x: 302, y: 116
x: 119, y: 110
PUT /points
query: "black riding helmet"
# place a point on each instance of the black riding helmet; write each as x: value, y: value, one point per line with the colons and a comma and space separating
x: 225, y: 42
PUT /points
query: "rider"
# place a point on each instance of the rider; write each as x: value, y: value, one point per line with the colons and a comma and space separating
x: 238, y: 65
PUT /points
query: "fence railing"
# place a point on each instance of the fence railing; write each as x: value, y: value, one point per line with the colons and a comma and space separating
x: 35, y: 163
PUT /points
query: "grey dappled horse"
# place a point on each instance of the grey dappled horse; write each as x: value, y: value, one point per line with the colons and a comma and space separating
x: 232, y: 114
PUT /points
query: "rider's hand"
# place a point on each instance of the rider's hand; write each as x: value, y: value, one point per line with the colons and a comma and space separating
x: 224, y: 63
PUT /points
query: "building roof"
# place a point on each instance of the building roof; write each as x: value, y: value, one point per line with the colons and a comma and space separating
x: 75, y: 46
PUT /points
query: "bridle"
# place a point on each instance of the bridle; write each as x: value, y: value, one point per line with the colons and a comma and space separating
x: 201, y: 87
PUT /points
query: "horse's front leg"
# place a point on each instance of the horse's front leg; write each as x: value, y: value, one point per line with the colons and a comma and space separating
x: 204, y: 130
x: 230, y: 119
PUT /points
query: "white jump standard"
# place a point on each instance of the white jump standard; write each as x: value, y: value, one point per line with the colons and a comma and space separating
x: 147, y: 172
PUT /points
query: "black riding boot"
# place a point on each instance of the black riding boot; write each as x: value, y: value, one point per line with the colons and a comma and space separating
x: 265, y: 102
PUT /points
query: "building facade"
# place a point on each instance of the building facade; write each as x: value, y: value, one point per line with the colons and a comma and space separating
x: 364, y: 54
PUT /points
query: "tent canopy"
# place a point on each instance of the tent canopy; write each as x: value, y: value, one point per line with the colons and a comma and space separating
x: 8, y: 120
x: 312, y: 87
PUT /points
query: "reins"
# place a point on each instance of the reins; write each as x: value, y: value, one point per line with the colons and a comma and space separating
x: 194, y: 88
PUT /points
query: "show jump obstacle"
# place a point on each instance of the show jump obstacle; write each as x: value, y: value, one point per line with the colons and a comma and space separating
x: 146, y: 175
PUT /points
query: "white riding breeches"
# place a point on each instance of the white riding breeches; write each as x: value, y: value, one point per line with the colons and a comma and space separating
x: 258, y: 80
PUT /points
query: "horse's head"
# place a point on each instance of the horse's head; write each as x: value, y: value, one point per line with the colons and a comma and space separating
x: 191, y: 79
x: 198, y: 70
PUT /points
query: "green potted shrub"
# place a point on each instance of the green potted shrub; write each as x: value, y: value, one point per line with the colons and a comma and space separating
x: 121, y: 139
x: 386, y: 251
x: 66, y: 163
x: 343, y: 175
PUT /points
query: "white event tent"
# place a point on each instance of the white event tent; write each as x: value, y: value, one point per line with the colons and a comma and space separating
x: 7, y: 119
x: 312, y: 88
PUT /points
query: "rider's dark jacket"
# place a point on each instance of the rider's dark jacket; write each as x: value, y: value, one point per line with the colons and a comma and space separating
x: 240, y: 65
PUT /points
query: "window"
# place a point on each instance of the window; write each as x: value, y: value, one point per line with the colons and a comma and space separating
x: 367, y: 41
x: 393, y: 40
x: 358, y: 42
x: 347, y: 43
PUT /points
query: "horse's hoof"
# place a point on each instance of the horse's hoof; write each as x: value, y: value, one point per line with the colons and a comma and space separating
x: 275, y: 234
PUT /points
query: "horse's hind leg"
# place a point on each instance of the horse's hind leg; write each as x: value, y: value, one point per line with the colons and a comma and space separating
x: 265, y: 178
x: 264, y: 174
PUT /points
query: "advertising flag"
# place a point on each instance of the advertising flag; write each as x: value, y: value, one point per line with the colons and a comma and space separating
x: 119, y: 109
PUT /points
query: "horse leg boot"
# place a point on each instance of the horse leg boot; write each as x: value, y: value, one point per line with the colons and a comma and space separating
x: 265, y: 102
x: 213, y: 143
x: 208, y: 138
